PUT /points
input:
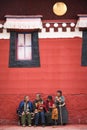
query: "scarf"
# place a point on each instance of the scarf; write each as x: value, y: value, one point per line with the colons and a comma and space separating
x: 26, y: 107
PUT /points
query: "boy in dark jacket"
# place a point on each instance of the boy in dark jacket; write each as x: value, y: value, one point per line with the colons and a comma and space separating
x: 25, y: 108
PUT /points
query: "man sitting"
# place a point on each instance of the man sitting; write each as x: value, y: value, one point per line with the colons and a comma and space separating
x: 25, y: 109
x: 39, y: 107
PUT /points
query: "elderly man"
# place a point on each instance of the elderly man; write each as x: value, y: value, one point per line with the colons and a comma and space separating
x: 39, y: 109
x: 25, y: 109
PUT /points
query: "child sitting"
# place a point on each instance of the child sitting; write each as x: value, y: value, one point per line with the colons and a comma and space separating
x: 54, y: 114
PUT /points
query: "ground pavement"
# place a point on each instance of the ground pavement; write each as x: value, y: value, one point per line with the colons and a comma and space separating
x: 67, y: 127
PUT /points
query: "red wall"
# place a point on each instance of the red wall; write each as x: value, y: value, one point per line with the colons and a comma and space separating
x: 60, y: 69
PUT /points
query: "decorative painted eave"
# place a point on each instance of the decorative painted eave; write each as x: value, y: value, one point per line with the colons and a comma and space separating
x: 23, y: 22
x: 82, y: 21
x: 47, y: 28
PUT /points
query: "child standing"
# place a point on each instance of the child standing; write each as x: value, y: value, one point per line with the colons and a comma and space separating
x: 54, y: 114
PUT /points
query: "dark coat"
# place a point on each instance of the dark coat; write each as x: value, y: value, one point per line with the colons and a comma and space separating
x: 62, y: 111
x: 21, y: 107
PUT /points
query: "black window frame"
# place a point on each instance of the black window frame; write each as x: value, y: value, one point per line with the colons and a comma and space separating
x: 84, y: 48
x: 13, y: 62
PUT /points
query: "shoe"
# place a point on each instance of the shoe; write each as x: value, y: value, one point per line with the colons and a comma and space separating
x: 64, y: 123
x: 35, y: 125
x: 29, y: 125
x: 54, y: 126
x: 23, y: 125
x: 43, y: 125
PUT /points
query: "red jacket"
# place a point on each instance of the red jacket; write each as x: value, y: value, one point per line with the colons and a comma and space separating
x: 49, y: 105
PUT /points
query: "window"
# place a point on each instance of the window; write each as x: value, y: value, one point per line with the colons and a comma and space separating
x: 24, y: 49
x: 84, y: 49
